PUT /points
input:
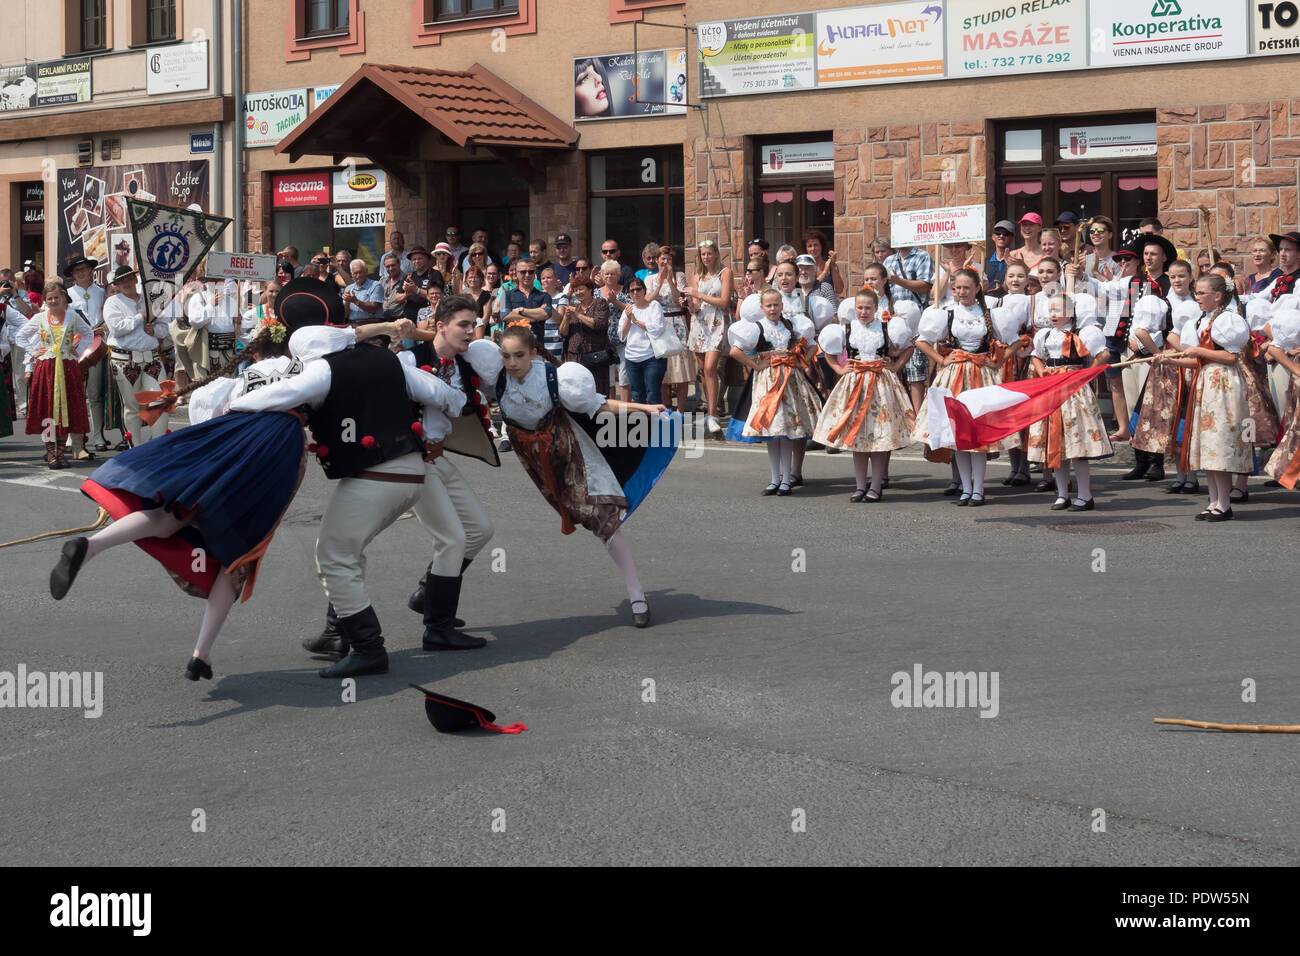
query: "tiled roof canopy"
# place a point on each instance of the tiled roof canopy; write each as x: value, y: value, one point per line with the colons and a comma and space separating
x: 371, y: 114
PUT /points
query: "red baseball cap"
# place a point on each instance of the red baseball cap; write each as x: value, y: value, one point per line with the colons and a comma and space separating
x: 1033, y: 217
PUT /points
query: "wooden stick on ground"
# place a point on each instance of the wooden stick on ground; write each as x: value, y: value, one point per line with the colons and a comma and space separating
x: 1233, y: 728
x: 101, y: 519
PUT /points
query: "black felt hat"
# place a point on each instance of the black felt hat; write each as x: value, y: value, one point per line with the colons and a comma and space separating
x: 448, y: 715
x: 306, y: 301
x: 1151, y: 239
x: 1289, y: 236
x: 79, y: 261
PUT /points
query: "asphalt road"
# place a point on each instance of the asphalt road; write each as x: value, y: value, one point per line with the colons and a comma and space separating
x: 778, y: 624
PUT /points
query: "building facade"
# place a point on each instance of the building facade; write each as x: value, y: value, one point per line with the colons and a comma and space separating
x: 362, y: 116
x: 105, y: 99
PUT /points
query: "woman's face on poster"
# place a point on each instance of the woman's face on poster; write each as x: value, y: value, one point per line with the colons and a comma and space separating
x: 589, y: 93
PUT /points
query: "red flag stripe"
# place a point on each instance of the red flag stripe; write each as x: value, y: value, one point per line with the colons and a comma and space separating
x: 1046, y: 394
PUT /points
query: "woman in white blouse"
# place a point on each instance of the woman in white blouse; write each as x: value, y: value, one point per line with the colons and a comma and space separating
x: 56, y: 394
x: 1217, y: 408
x: 549, y: 412
x: 967, y: 345
x: 642, y: 319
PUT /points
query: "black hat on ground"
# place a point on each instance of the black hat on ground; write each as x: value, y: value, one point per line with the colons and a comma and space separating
x: 448, y: 715
x: 78, y: 261
x: 1151, y: 239
x: 306, y: 301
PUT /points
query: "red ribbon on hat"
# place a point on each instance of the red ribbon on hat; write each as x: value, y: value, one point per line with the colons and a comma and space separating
x: 483, y: 721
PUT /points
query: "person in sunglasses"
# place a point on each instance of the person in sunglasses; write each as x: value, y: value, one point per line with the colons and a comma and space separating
x: 525, y: 302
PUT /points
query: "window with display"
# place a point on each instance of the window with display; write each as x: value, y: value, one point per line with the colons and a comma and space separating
x: 330, y: 210
x: 637, y: 196
x: 1096, y: 166
x: 796, y: 190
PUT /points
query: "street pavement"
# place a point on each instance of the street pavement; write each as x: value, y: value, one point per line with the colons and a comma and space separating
x: 772, y: 736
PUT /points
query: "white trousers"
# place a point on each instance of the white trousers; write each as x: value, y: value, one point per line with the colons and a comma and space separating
x: 453, y: 516
x: 357, y: 511
x: 140, y: 432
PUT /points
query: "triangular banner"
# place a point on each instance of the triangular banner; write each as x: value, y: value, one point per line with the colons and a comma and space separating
x: 170, y: 242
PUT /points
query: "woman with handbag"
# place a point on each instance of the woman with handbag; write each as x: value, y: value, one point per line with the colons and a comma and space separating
x: 585, y: 327
x: 642, y: 322
x: 667, y: 287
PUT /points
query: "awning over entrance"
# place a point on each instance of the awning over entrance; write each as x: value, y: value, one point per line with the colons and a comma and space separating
x: 372, y: 114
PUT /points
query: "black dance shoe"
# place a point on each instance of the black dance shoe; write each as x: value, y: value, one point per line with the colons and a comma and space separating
x: 770, y: 490
x: 641, y: 618
x: 449, y: 639
x: 197, y: 668
x: 1088, y: 505
x: 1061, y: 504
x: 65, y: 572
x: 858, y: 496
x: 1219, y: 515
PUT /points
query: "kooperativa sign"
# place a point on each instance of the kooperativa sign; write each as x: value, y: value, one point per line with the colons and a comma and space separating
x: 1132, y: 33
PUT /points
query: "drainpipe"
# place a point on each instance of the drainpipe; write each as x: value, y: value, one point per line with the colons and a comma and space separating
x: 217, y: 87
x: 237, y: 77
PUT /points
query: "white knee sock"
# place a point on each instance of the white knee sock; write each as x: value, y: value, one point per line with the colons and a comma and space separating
x: 1062, y: 477
x: 787, y: 458
x: 961, y: 460
x: 774, y: 459
x: 220, y: 600
x: 860, y: 461
x: 154, y: 523
x: 978, y: 463
x: 1083, y: 472
x: 879, y: 468
x: 622, y: 555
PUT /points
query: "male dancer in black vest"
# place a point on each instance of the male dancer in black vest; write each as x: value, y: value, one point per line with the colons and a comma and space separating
x: 361, y: 419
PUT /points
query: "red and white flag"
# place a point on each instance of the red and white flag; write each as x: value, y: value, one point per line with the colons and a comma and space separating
x: 983, y: 416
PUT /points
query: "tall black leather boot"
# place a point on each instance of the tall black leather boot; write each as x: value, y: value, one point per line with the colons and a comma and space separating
x: 331, y: 642
x: 367, y: 656
x: 1141, y: 465
x: 1157, y: 472
x: 416, y: 601
x: 441, y: 597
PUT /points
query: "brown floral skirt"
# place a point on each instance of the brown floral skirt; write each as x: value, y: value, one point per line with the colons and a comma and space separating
x: 1259, y: 400
x: 565, y: 487
x: 1159, y: 411
x: 1288, y: 447
x: 1215, y: 419
x: 1083, y: 432
x: 887, y: 420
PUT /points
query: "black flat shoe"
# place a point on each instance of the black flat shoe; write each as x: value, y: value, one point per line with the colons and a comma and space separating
x: 951, y: 490
x: 1044, y: 484
x: 963, y: 501
x: 858, y: 496
x: 1203, y: 515
x: 1007, y: 480
x: 870, y: 500
x: 1192, y: 489
x: 1175, y: 489
x: 641, y: 618
x: 1088, y: 505
x: 197, y: 668
x: 100, y: 446
x: 1220, y: 515
x: 977, y: 501
x: 770, y: 490
x: 1245, y: 496
x: 783, y: 490
x: 1061, y: 504
x: 1019, y: 481
x: 65, y: 572
x: 796, y: 481
x: 884, y: 484
x: 123, y: 445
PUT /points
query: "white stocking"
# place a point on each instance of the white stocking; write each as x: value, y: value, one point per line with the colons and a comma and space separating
x: 154, y: 523
x: 622, y: 555
x: 961, y: 461
x: 860, y: 461
x: 787, y: 458
x: 978, y: 463
x: 1083, y: 472
x: 774, y: 459
x: 879, y: 469
x: 220, y: 600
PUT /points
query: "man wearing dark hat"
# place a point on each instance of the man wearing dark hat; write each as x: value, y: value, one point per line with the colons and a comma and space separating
x: 87, y: 297
x: 360, y: 398
x: 563, y: 262
x: 1067, y: 224
x: 422, y: 278
x: 1288, y: 260
x: 135, y: 350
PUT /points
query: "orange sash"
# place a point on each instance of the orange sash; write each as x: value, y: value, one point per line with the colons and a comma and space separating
x: 787, y: 364
x: 868, y: 376
x: 542, y: 441
x: 968, y: 378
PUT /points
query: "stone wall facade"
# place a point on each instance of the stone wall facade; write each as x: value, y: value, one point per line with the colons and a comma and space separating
x: 561, y: 206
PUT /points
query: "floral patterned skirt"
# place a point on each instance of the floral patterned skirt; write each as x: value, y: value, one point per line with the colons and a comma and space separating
x: 1259, y: 400
x: 1159, y: 411
x: 796, y: 415
x: 1288, y: 448
x: 886, y: 417
x: 1083, y: 431
x: 708, y: 331
x: 975, y: 376
x: 1216, y: 411
x: 681, y: 368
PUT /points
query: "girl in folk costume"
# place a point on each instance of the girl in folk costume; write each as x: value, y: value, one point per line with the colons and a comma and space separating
x: 868, y: 413
x: 876, y: 278
x: 778, y: 404
x: 968, y: 348
x: 1180, y: 284
x: 1216, y: 404
x: 1284, y: 327
x: 1016, y: 306
x: 54, y: 341
x: 795, y: 305
x: 205, y: 500
x: 1157, y: 419
x: 550, y: 414
x: 1073, y: 434
x: 710, y: 291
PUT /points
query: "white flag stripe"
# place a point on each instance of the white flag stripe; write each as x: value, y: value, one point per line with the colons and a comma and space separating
x: 990, y: 398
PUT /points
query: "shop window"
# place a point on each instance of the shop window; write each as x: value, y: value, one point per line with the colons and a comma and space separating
x: 633, y: 200
x: 493, y: 197
x: 796, y: 190
x: 443, y: 10
x: 320, y: 212
x: 1102, y: 166
x: 32, y: 234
